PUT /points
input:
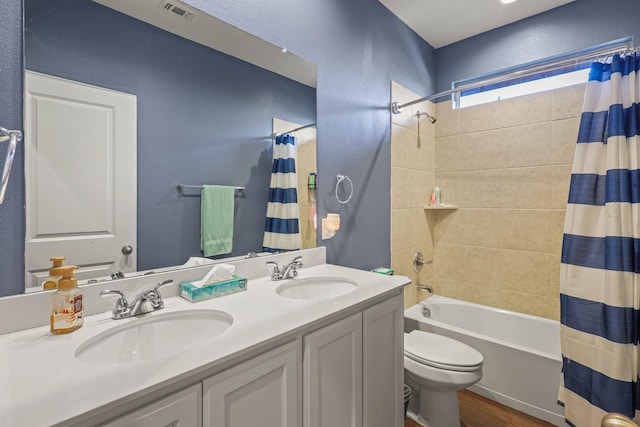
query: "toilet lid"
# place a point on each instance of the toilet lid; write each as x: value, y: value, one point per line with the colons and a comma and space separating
x: 441, y: 352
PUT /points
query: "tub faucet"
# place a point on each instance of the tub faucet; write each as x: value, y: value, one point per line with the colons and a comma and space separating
x: 288, y: 271
x: 148, y: 301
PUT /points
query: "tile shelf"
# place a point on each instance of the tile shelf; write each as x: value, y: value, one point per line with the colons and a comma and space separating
x: 441, y: 208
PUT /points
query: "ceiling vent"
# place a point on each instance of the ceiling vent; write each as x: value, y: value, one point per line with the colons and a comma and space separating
x: 176, y: 9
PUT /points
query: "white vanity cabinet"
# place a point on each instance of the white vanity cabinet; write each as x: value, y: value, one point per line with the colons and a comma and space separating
x: 353, y: 370
x: 181, y: 409
x: 383, y: 364
x: 333, y: 375
x: 263, y: 391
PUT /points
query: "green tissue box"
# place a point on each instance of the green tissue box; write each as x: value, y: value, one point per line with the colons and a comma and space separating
x: 212, y: 290
x: 384, y: 270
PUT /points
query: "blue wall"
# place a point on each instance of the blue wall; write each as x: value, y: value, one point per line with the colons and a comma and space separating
x: 203, y: 117
x: 577, y: 25
x: 12, y: 210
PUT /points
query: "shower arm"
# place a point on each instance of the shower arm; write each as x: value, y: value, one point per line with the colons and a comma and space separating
x: 13, y: 136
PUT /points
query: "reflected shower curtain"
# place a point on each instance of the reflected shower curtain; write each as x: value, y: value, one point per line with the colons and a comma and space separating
x: 282, y: 231
x: 599, y: 274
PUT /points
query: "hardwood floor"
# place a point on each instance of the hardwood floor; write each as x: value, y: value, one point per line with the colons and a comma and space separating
x: 477, y: 411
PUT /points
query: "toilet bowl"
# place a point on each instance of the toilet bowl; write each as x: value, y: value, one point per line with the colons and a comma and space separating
x: 438, y: 367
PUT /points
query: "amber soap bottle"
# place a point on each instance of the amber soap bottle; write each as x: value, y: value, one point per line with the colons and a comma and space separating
x: 66, y: 303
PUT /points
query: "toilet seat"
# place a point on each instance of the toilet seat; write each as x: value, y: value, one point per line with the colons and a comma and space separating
x: 441, y: 352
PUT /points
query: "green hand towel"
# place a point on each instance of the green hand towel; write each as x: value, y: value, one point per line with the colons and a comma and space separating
x: 216, y: 219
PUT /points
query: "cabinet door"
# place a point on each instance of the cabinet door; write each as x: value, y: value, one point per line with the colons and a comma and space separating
x: 333, y: 375
x: 182, y: 409
x: 262, y: 391
x: 383, y: 362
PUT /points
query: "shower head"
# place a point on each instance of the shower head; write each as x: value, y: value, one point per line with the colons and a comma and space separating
x: 429, y: 116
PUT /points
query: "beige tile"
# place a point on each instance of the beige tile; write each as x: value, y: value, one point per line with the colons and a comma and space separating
x: 531, y: 304
x: 410, y: 188
x: 526, y: 272
x: 567, y: 102
x: 480, y: 227
x: 481, y: 117
x: 447, y: 227
x: 471, y: 293
x: 564, y: 135
x: 409, y: 229
x: 480, y: 189
x: 410, y: 295
x: 448, y: 119
x: 556, y: 229
x: 408, y: 151
x: 447, y: 262
x: 527, y: 109
x: 525, y: 188
x: 482, y: 150
x: 448, y: 153
x: 528, y: 145
x: 560, y: 180
x: 525, y: 230
x: 480, y: 265
x: 428, y: 153
x: 403, y: 95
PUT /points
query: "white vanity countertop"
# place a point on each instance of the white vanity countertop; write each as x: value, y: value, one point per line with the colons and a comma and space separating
x: 43, y: 384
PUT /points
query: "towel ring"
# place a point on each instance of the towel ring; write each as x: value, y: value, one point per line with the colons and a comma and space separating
x: 340, y: 179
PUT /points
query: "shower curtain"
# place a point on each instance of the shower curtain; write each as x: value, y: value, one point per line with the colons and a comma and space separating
x: 282, y: 231
x: 600, y: 270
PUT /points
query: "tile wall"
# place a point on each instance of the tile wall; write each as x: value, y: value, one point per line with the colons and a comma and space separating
x: 413, y: 154
x: 506, y: 165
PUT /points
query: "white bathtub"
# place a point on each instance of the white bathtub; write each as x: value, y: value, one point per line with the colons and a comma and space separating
x: 522, y: 359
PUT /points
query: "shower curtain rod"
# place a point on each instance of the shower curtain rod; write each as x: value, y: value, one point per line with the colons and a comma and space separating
x: 530, y: 68
x: 296, y: 129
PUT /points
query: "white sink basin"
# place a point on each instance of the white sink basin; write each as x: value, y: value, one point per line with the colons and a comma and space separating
x: 316, y: 288
x: 153, y: 336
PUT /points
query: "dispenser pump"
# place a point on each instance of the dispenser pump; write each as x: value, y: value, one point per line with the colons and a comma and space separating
x: 68, y: 280
x: 54, y: 273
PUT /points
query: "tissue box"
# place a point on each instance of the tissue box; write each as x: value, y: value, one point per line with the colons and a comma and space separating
x: 384, y: 270
x: 212, y: 290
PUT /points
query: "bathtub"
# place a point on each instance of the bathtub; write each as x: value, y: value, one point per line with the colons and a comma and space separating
x: 522, y: 359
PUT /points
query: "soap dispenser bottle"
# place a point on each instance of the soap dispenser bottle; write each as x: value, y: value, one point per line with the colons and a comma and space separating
x: 55, y: 274
x: 66, y: 303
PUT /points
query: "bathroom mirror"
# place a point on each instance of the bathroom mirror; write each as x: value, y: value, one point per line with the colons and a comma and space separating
x: 204, y: 116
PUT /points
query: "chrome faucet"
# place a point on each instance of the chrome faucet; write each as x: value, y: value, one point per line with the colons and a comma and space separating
x: 148, y: 301
x: 288, y: 271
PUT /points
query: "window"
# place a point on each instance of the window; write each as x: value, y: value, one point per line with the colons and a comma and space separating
x: 551, y: 73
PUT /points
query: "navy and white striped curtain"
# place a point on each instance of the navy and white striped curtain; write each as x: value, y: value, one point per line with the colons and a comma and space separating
x: 282, y: 232
x: 600, y: 270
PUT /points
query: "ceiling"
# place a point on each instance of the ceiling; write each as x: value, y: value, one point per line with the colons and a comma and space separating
x: 442, y: 22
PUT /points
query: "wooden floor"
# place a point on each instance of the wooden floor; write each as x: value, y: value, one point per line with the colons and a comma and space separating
x: 477, y: 411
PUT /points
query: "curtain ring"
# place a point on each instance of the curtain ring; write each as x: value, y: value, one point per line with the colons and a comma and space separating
x: 340, y: 179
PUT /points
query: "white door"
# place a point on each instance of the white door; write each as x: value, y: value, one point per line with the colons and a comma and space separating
x: 333, y: 375
x: 262, y: 391
x: 382, y: 328
x: 182, y: 409
x: 80, y: 173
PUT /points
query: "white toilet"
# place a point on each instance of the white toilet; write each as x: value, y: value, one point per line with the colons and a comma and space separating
x: 438, y: 366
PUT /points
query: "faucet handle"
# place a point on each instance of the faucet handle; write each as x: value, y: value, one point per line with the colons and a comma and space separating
x: 161, y: 284
x: 296, y: 262
x: 121, y: 303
